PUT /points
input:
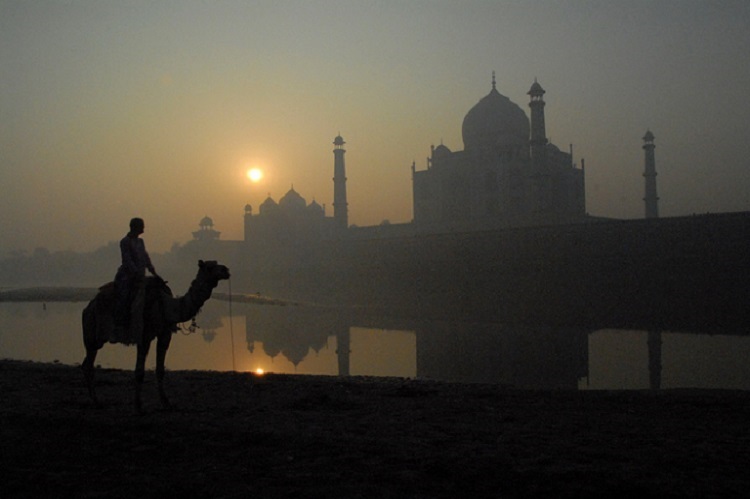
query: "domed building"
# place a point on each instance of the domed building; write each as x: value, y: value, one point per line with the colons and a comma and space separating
x: 290, y: 222
x: 292, y: 225
x: 507, y: 175
x: 206, y: 231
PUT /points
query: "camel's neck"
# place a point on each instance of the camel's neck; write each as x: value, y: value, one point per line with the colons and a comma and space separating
x: 186, y: 307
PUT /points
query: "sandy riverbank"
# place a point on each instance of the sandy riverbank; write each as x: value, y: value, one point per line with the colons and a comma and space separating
x: 238, y: 435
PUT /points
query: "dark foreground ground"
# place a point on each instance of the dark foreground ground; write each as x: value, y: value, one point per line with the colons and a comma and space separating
x: 237, y: 435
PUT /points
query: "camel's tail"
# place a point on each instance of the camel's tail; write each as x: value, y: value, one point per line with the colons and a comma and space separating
x: 88, y: 323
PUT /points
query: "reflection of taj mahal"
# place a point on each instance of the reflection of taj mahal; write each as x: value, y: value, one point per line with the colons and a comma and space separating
x: 507, y: 175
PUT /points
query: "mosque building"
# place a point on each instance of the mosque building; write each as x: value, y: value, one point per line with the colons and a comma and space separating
x: 293, y: 221
x: 291, y: 217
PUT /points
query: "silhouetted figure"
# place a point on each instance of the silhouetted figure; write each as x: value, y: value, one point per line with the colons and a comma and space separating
x: 132, y: 272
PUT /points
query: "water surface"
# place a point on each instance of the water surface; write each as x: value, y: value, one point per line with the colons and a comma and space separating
x: 302, y: 340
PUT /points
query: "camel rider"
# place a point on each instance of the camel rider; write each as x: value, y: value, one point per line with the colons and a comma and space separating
x: 132, y: 272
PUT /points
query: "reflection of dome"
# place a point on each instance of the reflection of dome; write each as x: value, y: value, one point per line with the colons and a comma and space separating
x: 292, y: 201
x: 296, y: 352
x: 494, y: 122
x: 270, y: 349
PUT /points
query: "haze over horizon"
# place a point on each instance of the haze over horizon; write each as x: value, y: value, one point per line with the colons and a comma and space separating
x: 157, y: 109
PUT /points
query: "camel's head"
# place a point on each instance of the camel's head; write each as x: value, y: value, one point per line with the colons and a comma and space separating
x: 213, y: 270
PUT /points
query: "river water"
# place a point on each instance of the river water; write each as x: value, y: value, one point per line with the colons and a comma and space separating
x: 295, y: 339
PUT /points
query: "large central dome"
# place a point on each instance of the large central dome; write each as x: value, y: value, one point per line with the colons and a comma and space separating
x: 495, y: 123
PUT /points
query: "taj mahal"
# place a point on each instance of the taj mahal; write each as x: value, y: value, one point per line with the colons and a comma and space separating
x: 507, y: 175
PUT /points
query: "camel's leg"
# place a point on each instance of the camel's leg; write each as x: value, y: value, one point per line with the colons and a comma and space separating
x: 87, y: 366
x: 162, y: 345
x: 140, y: 368
x: 88, y: 323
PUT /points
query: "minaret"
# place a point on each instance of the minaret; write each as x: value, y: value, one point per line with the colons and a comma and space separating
x: 538, y: 139
x: 340, y: 206
x: 651, y: 199
x: 248, y: 222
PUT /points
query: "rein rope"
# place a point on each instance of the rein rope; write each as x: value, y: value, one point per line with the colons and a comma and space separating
x: 188, y: 330
x: 231, y: 321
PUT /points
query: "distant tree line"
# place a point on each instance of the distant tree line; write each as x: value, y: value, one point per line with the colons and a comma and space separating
x: 43, y: 267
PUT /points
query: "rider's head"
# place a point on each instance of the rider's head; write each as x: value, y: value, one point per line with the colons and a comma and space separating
x: 136, y: 225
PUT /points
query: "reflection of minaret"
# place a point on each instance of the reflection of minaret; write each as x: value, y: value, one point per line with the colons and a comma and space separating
x: 340, y: 206
x: 651, y: 199
x: 654, y: 359
x: 652, y: 211
x: 343, y: 348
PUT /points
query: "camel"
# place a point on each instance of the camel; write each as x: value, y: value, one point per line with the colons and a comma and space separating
x: 161, y: 313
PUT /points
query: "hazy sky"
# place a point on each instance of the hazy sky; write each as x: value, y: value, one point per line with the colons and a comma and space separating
x: 111, y: 109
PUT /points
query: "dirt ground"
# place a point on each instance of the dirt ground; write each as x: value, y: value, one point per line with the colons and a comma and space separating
x: 240, y: 435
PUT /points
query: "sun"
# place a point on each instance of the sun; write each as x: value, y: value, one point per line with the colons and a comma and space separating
x: 255, y: 174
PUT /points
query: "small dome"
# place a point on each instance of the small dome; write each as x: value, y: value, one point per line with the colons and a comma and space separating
x: 206, y: 222
x: 440, y: 152
x: 315, y: 209
x: 338, y: 141
x: 495, y: 122
x: 649, y: 137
